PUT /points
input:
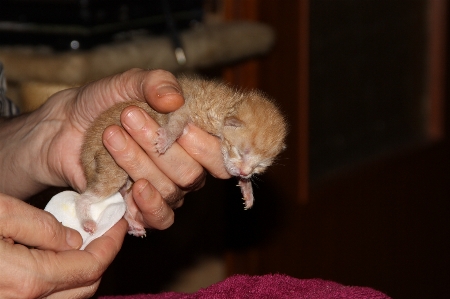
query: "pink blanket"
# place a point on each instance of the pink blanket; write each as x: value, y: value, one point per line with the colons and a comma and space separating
x: 269, y: 286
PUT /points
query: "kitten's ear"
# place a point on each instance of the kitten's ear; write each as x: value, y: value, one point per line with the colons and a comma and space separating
x: 233, y: 122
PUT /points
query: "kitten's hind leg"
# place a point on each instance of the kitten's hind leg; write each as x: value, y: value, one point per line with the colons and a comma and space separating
x: 104, y: 178
x: 83, y: 209
x: 135, y: 228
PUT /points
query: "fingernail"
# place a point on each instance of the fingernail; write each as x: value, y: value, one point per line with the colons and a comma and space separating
x: 117, y: 140
x: 167, y: 89
x: 73, y: 239
x: 135, y: 119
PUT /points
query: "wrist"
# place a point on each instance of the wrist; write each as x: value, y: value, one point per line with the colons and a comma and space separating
x: 24, y: 145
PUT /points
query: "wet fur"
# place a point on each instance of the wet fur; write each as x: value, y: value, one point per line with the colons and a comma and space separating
x: 251, y: 129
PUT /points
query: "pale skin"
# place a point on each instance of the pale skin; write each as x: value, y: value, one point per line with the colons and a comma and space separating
x: 41, y: 149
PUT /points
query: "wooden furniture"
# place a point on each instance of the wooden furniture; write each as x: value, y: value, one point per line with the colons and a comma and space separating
x: 37, y: 71
x: 381, y: 220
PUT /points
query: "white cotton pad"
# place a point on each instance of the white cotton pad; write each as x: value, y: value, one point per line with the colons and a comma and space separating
x: 106, y: 213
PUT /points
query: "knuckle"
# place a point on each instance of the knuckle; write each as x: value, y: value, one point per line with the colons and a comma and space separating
x: 194, y: 180
x: 167, y: 222
x: 49, y: 225
x: 131, y: 161
x: 160, y: 218
x: 178, y: 204
x: 171, y: 194
x: 29, y: 287
x: 131, y: 158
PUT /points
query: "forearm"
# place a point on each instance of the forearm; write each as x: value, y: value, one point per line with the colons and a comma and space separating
x: 23, y: 153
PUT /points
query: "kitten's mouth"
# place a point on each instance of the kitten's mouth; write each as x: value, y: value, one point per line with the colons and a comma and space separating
x: 245, y: 175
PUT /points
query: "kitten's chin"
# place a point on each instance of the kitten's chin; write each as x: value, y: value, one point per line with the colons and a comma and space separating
x: 232, y: 169
x: 237, y: 172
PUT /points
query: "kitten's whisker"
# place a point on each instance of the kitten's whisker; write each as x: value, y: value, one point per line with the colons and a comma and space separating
x: 255, y: 178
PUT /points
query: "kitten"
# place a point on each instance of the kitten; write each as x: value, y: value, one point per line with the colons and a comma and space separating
x: 250, y: 127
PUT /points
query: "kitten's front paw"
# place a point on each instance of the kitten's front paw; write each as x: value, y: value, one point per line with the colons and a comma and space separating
x: 136, y: 230
x: 162, y: 142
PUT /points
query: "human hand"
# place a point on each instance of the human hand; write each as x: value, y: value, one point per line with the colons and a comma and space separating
x: 79, y: 107
x: 172, y: 175
x: 169, y: 176
x: 51, y: 138
x: 39, y: 256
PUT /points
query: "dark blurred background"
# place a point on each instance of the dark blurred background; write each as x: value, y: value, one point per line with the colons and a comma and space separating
x: 361, y: 195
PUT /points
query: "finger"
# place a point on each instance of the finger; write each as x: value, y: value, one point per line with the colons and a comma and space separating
x: 135, y: 161
x: 155, y: 212
x: 82, y: 268
x: 162, y: 91
x: 159, y: 88
x: 75, y: 293
x: 108, y: 245
x: 34, y: 227
x: 180, y: 168
x: 44, y: 270
x: 205, y: 149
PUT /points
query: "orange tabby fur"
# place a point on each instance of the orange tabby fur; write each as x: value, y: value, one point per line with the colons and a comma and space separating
x: 251, y: 129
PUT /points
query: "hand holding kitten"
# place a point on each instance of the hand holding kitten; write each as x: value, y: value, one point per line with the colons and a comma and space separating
x: 42, y: 148
x: 45, y: 145
x: 250, y: 127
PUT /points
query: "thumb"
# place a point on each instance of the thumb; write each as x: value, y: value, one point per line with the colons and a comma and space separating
x: 34, y: 227
x: 159, y: 88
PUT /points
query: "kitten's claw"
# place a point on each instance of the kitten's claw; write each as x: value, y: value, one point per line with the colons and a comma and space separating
x: 136, y: 230
x: 162, y: 141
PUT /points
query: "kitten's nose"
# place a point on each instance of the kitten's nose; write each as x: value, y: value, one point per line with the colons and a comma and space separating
x: 245, y: 172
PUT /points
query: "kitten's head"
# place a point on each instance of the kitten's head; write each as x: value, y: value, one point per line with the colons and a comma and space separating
x: 253, y: 136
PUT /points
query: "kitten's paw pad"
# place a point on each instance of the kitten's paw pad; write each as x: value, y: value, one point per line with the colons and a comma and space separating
x: 162, y: 141
x: 90, y: 226
x: 137, y: 230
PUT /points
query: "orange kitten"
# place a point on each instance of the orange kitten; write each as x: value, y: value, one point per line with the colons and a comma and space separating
x: 250, y: 127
